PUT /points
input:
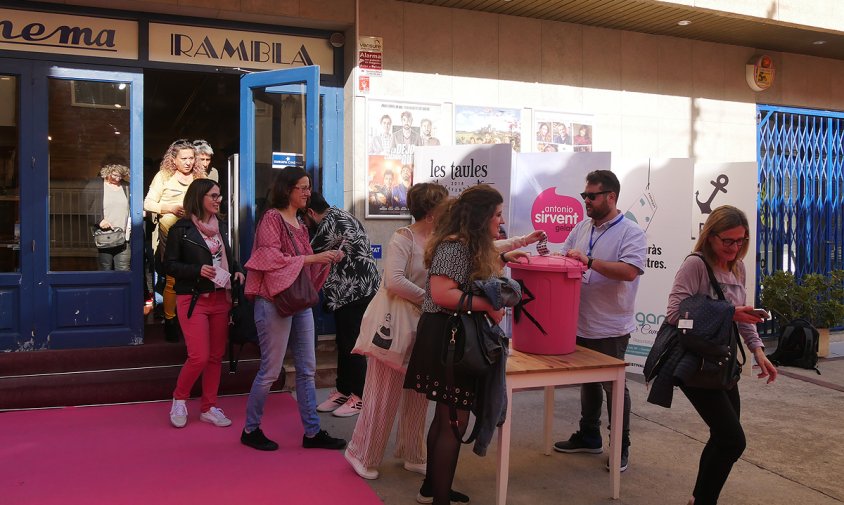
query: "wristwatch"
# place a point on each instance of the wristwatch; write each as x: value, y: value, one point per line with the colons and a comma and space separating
x: 589, y: 262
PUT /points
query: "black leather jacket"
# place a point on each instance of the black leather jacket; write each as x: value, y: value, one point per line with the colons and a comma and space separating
x: 185, y: 254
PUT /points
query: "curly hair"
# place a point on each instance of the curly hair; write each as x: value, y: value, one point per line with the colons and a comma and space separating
x: 168, y: 162
x: 109, y: 169
x: 424, y: 197
x: 466, y: 220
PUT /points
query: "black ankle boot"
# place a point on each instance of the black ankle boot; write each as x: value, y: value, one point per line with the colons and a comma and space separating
x: 172, y: 331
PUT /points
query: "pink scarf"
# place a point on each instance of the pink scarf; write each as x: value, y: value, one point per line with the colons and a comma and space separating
x: 211, y: 230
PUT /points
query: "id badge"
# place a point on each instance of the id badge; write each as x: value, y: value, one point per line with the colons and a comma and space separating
x: 586, y: 276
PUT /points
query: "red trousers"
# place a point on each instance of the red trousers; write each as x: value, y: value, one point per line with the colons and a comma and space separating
x: 206, y: 332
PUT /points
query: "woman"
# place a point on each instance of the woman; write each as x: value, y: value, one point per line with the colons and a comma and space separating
x: 723, y: 242
x: 404, y: 277
x: 108, y: 208
x: 204, y: 152
x: 544, y: 133
x: 460, y: 251
x: 166, y: 193
x: 280, y: 251
x: 582, y: 137
x: 198, y: 257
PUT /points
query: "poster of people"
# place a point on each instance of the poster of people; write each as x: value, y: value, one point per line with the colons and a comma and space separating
x: 393, y: 131
x: 561, y: 132
x: 488, y: 125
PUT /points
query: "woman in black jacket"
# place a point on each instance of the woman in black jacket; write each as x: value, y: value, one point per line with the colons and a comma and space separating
x: 200, y: 260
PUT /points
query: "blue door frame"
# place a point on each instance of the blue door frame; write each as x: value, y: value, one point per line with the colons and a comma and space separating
x: 44, y: 309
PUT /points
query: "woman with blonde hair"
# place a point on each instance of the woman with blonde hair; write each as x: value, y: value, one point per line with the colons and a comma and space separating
x: 107, y: 200
x: 723, y: 243
x: 166, y: 192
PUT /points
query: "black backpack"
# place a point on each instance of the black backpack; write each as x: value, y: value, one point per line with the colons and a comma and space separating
x: 797, y: 346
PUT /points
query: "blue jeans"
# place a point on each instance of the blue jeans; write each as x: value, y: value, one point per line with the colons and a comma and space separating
x: 274, y: 333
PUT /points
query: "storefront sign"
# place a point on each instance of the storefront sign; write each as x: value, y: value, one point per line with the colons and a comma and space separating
x: 370, y: 51
x: 42, y: 32
x: 282, y: 160
x: 237, y: 49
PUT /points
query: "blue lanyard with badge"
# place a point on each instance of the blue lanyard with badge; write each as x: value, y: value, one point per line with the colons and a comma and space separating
x: 594, y: 240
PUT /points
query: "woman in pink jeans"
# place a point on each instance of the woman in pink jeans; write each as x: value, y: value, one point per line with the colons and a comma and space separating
x: 200, y: 260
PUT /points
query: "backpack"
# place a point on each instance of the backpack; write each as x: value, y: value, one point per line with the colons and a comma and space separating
x: 797, y: 346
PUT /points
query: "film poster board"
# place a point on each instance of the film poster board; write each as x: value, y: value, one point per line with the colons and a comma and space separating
x: 394, y: 130
x: 561, y: 132
x: 461, y: 167
x: 545, y: 193
x: 475, y: 125
x: 653, y: 193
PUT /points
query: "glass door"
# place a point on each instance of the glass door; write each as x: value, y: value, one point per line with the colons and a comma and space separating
x: 69, y: 154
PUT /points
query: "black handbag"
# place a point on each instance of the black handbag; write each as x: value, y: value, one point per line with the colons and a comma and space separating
x: 301, y: 294
x: 242, y: 328
x: 470, y: 347
x: 707, y: 330
x: 666, y: 339
x: 106, y: 239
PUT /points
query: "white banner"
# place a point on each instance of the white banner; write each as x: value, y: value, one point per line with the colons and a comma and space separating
x: 546, y: 193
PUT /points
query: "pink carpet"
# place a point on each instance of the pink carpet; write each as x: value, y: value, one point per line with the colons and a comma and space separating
x: 129, y: 454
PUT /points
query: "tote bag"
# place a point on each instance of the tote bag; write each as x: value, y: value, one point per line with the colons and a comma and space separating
x: 388, y: 328
x: 301, y: 294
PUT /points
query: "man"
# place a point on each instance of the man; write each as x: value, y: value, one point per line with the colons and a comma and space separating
x: 381, y: 195
x: 383, y: 142
x: 203, y: 157
x: 613, y: 249
x: 427, y: 127
x: 350, y: 286
x: 406, y: 136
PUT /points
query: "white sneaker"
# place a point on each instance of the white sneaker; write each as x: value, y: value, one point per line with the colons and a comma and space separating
x: 366, y: 473
x: 179, y: 413
x: 334, y: 401
x: 216, y: 417
x: 350, y: 408
x: 420, y: 468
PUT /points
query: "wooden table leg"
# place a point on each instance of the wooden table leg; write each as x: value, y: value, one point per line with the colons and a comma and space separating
x: 503, y: 473
x: 615, y: 433
x: 549, y: 417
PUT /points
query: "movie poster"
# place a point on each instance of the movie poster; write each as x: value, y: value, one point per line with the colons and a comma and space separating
x: 488, y: 125
x: 393, y: 131
x: 561, y: 132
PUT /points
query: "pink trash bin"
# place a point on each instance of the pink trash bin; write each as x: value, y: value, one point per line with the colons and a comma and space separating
x: 554, y: 282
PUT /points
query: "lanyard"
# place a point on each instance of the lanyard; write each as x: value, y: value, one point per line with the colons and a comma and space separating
x: 592, y: 231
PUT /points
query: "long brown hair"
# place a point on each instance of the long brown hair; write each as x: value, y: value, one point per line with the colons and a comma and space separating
x: 466, y: 220
x: 725, y: 217
x: 194, y: 196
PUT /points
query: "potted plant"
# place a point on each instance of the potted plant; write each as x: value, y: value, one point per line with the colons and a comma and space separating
x: 819, y: 299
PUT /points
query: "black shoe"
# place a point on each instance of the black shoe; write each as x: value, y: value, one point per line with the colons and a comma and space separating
x: 172, y: 330
x: 625, y: 458
x: 426, y: 495
x: 323, y: 440
x: 257, y: 440
x: 581, y: 442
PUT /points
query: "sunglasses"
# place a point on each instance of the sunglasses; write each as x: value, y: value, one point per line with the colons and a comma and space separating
x: 593, y: 196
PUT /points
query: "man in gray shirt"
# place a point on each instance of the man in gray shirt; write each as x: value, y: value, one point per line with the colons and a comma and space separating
x: 613, y: 249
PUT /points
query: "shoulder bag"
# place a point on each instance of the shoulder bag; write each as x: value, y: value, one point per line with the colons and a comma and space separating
x: 707, y: 330
x: 106, y: 239
x: 470, y: 347
x: 301, y: 294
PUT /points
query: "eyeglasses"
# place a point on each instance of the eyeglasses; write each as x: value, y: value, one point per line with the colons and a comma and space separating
x: 214, y: 196
x: 729, y: 242
x: 303, y: 189
x: 593, y: 196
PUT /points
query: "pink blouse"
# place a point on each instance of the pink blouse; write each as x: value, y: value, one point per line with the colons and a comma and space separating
x: 274, y: 265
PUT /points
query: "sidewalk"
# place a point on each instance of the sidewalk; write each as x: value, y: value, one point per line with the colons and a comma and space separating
x: 795, y: 450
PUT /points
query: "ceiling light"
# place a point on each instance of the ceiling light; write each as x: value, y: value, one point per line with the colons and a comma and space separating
x: 121, y: 86
x: 684, y: 22
x: 819, y: 42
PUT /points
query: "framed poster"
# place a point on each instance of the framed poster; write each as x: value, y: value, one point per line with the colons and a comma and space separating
x: 488, y: 125
x: 393, y: 131
x: 561, y: 132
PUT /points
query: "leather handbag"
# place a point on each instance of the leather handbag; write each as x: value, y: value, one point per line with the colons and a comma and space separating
x: 707, y: 330
x: 242, y: 329
x: 470, y: 346
x: 301, y: 294
x: 106, y: 239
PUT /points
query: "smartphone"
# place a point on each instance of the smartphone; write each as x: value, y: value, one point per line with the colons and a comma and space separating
x: 761, y: 313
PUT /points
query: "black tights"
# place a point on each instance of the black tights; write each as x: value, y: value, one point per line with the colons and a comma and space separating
x: 720, y: 411
x: 443, y: 451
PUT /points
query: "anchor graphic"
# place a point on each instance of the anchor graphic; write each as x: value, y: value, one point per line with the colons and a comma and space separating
x: 720, y: 185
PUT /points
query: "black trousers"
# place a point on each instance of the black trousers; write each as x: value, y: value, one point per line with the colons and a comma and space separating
x: 720, y: 411
x: 351, y: 368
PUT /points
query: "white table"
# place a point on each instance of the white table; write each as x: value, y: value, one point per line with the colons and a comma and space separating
x: 535, y: 370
